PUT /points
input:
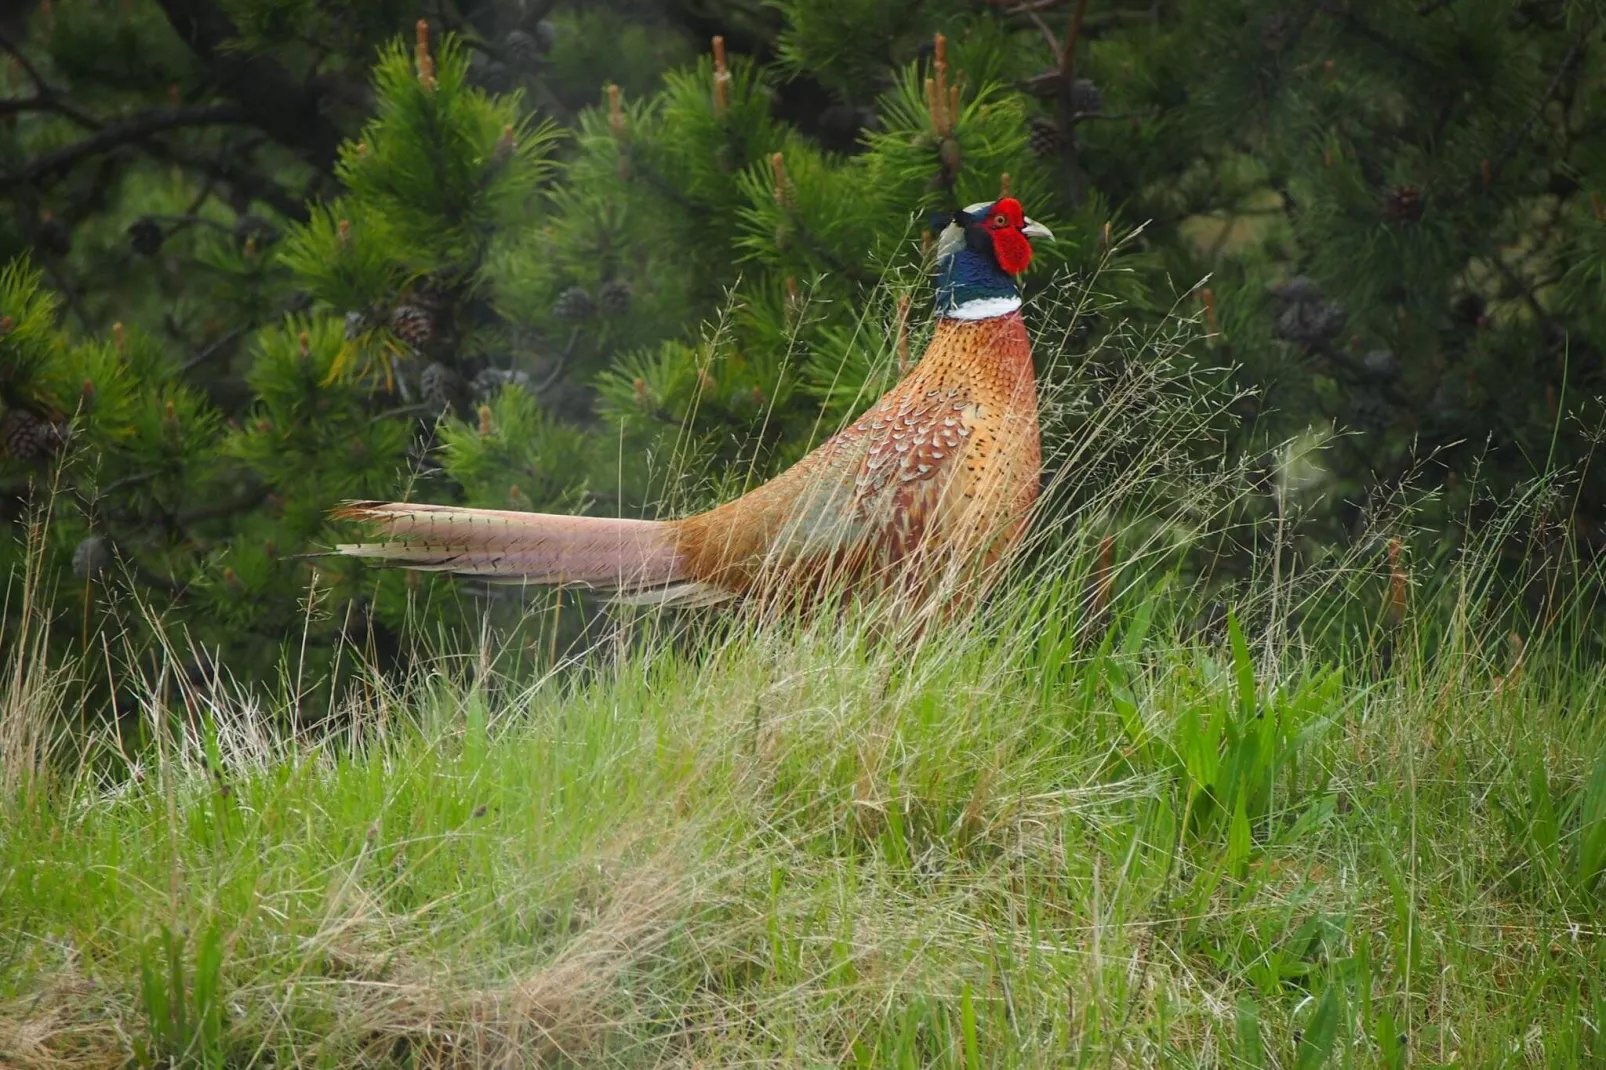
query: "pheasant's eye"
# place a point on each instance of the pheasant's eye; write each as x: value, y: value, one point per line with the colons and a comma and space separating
x: 1000, y: 220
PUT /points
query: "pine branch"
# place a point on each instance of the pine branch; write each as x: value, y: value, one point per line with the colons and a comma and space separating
x: 1524, y: 289
x: 848, y: 271
x: 64, y: 286
x: 285, y: 109
x: 18, y: 105
x: 1026, y: 7
x: 188, y: 219
x: 44, y: 92
x: 256, y: 186
x: 136, y: 127
x: 1068, y: 52
x: 1574, y: 54
x: 1031, y: 12
x: 212, y: 350
x: 1095, y: 116
x: 1382, y: 40
x: 243, y: 504
x: 38, y: 80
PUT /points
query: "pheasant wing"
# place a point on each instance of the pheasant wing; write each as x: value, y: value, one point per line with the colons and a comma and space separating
x: 863, y: 502
x: 906, y: 483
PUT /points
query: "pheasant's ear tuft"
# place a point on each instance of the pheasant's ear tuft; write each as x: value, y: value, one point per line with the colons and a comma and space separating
x: 952, y: 230
x: 936, y: 221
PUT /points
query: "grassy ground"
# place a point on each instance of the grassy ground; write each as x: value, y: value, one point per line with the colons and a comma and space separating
x: 1030, y: 841
x: 801, y: 848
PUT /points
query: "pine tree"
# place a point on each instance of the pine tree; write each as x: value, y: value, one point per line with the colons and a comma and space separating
x: 1399, y: 205
x: 206, y: 518
x: 631, y: 258
x: 791, y: 266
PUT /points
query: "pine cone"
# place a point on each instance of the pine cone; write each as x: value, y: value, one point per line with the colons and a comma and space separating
x: 1310, y: 323
x: 413, y: 324
x: 490, y: 380
x: 574, y: 304
x: 614, y: 297
x: 1403, y: 204
x: 1298, y: 288
x: 1306, y: 318
x: 1086, y: 99
x: 91, y: 558
x: 145, y: 235
x: 522, y: 50
x: 496, y: 76
x: 431, y: 295
x: 1046, y: 138
x: 1381, y: 365
x: 29, y: 437
x: 440, y: 386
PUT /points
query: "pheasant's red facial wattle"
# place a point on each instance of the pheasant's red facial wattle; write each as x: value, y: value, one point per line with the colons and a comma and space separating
x: 1005, y: 222
x: 1012, y: 250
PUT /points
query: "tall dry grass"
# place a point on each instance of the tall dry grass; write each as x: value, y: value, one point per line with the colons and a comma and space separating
x: 1094, y: 822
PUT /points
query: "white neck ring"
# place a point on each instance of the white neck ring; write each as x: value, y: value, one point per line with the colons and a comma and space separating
x: 983, y: 308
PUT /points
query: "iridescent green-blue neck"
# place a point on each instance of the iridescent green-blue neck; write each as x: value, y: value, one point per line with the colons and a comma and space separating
x: 970, y: 285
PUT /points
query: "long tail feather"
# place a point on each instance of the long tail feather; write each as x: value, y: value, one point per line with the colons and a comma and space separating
x: 497, y: 544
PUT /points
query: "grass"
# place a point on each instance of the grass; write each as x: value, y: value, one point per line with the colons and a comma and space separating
x: 796, y: 846
x: 1349, y: 824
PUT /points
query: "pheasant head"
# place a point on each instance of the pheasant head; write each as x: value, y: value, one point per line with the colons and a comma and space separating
x: 979, y: 252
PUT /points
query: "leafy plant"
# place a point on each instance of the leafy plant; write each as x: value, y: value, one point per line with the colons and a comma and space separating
x: 183, y: 1001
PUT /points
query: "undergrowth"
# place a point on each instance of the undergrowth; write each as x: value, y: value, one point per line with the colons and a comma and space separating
x: 803, y: 846
x: 1317, y: 813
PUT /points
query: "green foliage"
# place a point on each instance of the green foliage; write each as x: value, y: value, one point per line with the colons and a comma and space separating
x: 1562, y: 828
x: 849, y: 46
x: 513, y: 454
x: 444, y: 164
x: 718, y: 214
x: 203, y: 506
x: 662, y: 293
x: 842, y: 851
x: 340, y: 271
x: 184, y: 1011
x: 28, y: 337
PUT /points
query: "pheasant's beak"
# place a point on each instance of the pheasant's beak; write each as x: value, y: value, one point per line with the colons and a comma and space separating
x: 1034, y: 229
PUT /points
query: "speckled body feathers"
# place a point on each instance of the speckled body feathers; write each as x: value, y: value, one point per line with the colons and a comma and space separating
x: 925, y: 494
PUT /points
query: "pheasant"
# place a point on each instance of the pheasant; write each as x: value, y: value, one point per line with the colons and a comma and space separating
x: 925, y: 494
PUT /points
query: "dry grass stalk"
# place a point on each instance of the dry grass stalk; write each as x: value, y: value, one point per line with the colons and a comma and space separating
x: 33, y: 691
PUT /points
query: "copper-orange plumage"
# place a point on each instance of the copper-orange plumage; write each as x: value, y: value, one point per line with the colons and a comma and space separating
x: 927, y: 492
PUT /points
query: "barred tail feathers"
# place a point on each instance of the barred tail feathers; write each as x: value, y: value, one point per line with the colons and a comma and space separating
x: 631, y: 557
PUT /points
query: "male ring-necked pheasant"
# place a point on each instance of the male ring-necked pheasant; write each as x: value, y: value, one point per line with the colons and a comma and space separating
x: 925, y: 493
